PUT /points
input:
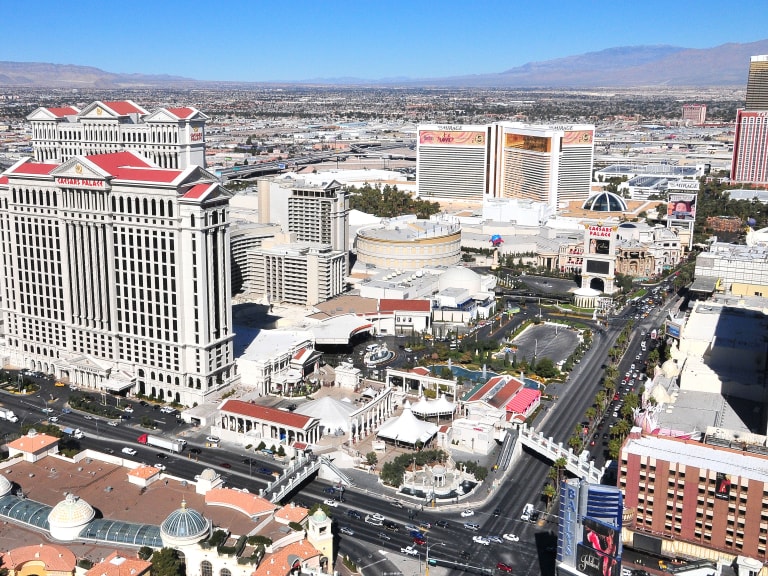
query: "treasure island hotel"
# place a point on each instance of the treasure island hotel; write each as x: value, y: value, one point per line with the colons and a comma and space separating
x: 115, y: 271
x: 543, y: 163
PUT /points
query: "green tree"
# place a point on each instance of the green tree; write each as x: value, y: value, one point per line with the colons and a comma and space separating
x: 371, y: 458
x: 546, y: 368
x: 166, y: 562
x: 548, y: 493
x: 145, y: 552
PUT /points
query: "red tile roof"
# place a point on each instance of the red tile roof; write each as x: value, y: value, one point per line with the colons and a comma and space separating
x: 115, y: 160
x: 277, y: 564
x: 522, y: 400
x: 117, y: 565
x: 54, y: 558
x: 3, y: 179
x: 181, y: 112
x: 33, y: 444
x: 124, y: 107
x: 267, y: 414
x: 390, y: 305
x: 421, y: 371
x: 292, y: 513
x: 245, y: 502
x: 503, y: 395
x: 34, y: 168
x: 64, y: 111
x: 198, y: 190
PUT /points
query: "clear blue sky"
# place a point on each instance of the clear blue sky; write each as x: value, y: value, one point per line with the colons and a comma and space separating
x: 294, y: 40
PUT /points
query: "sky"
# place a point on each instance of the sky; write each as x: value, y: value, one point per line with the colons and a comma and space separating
x: 299, y: 40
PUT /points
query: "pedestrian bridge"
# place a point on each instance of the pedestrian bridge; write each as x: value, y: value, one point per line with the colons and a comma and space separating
x: 292, y: 477
x: 579, y: 466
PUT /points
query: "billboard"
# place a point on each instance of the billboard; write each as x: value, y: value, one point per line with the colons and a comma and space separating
x: 600, y: 536
x: 599, y: 246
x: 600, y: 231
x: 523, y: 142
x: 598, y: 267
x: 568, y: 526
x: 577, y: 137
x: 451, y: 138
x: 593, y: 563
x: 673, y: 330
x: 681, y: 207
x: 722, y: 486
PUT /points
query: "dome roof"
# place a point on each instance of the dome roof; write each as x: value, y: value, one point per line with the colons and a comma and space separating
x: 185, y: 523
x: 5, y: 486
x: 208, y: 474
x: 319, y: 516
x: 627, y: 225
x: 460, y: 277
x: 71, y: 512
x: 605, y: 202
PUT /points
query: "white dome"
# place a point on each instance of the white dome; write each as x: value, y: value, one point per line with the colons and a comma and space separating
x: 460, y: 277
x: 72, y: 511
x: 5, y: 486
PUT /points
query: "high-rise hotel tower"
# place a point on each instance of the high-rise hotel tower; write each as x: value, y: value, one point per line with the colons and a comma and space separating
x: 545, y: 163
x: 115, y: 275
x: 750, y: 143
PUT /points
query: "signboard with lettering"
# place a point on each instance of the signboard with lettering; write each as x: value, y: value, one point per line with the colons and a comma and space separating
x: 593, y: 563
x: 673, y: 330
x: 451, y: 138
x: 568, y: 528
x: 601, y: 231
x: 79, y: 182
x: 690, y: 185
x: 681, y: 207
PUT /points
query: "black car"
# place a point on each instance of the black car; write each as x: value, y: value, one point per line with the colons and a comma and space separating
x: 465, y: 555
x: 162, y: 456
x: 354, y: 514
x: 142, y: 402
x: 441, y: 523
x: 194, y: 450
x: 389, y: 525
x: 266, y: 471
x: 497, y: 512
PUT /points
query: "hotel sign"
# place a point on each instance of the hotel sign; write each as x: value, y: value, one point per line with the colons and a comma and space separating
x: 569, y: 528
x: 79, y: 182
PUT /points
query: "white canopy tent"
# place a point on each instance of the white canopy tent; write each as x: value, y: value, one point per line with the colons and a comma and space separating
x: 430, y: 408
x: 333, y: 414
x: 407, y: 429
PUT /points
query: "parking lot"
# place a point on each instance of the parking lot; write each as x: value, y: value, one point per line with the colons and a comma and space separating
x: 552, y: 341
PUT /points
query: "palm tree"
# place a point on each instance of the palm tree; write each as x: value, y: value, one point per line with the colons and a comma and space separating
x: 548, y: 492
x: 590, y: 413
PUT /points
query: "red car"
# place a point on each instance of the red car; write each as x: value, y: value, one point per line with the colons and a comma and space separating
x: 504, y: 567
x: 419, y: 541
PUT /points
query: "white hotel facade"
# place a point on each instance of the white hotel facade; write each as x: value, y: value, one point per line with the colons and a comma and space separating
x: 169, y: 137
x: 115, y: 275
x: 550, y: 164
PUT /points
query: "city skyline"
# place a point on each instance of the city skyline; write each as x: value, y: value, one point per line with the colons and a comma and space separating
x: 302, y: 41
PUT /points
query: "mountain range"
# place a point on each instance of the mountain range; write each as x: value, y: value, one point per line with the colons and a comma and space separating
x: 621, y: 67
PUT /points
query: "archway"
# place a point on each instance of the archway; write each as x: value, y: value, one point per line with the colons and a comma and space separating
x: 597, y: 284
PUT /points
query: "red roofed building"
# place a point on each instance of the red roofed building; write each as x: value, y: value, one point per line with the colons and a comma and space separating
x: 169, y: 137
x: 243, y: 421
x: 41, y: 559
x: 118, y: 565
x: 33, y: 446
x: 488, y: 402
x: 403, y: 317
x: 523, y: 404
x: 136, y: 283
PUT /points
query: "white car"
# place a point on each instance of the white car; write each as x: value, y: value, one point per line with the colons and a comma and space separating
x: 511, y: 537
x: 212, y: 439
x: 159, y: 466
x: 113, y: 423
x: 481, y: 540
x: 410, y: 551
x: 331, y: 502
x: 53, y: 419
x: 377, y: 517
x: 48, y: 410
x: 466, y: 513
x: 128, y: 409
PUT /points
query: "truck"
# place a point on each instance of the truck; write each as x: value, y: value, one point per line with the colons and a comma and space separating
x: 7, y: 414
x: 172, y: 444
x: 74, y: 432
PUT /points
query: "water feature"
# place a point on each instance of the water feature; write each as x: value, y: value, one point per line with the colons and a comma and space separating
x: 475, y: 376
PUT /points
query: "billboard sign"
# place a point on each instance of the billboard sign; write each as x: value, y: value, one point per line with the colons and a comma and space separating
x: 601, y: 537
x: 722, y: 486
x: 525, y: 142
x: 681, y: 207
x: 593, y: 563
x: 578, y: 137
x: 673, y: 330
x: 568, y: 526
x: 451, y: 138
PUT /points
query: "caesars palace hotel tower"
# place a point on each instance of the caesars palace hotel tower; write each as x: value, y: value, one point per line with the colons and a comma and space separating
x: 115, y: 275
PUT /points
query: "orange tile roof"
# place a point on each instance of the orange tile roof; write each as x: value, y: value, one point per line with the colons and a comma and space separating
x: 144, y: 472
x: 33, y: 444
x: 55, y: 558
x: 389, y: 305
x: 117, y: 565
x: 292, y: 513
x: 277, y: 564
x: 502, y: 396
x: 245, y: 502
x: 64, y: 111
x: 266, y: 414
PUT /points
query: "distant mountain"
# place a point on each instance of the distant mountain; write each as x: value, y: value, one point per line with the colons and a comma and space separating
x: 43, y: 75
x: 622, y: 67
